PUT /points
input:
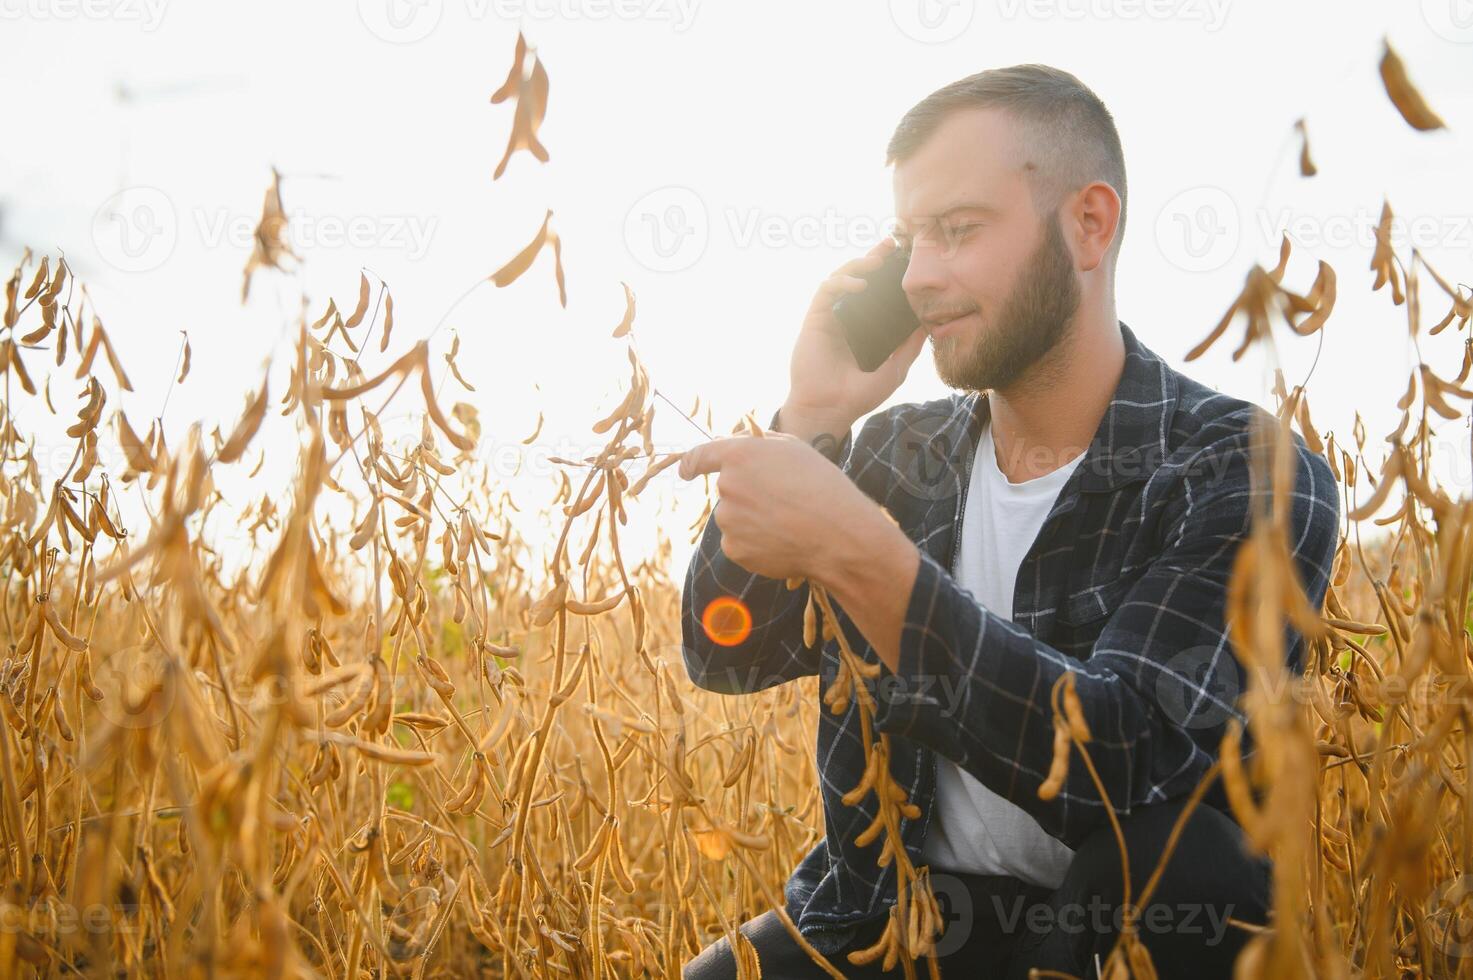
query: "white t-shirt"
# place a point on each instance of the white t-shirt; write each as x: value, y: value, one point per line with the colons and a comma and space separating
x: 974, y: 830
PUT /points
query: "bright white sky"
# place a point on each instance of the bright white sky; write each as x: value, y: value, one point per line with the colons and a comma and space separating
x: 750, y: 135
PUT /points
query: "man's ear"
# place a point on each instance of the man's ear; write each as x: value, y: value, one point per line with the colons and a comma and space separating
x: 1092, y: 220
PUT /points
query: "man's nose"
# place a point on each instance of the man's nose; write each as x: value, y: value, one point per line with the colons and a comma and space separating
x: 926, y: 273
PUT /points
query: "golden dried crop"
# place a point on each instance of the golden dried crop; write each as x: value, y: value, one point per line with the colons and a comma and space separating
x: 414, y: 743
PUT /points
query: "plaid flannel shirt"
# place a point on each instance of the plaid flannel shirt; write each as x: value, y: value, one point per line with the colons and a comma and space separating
x: 1125, y: 585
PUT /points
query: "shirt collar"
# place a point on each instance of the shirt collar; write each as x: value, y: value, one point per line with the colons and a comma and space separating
x: 1130, y: 440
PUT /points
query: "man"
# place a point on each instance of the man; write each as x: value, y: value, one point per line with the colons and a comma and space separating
x: 1075, y: 506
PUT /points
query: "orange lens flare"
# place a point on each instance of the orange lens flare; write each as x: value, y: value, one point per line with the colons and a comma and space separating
x: 727, y: 621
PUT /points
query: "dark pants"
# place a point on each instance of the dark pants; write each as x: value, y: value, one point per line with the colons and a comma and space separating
x: 999, y: 926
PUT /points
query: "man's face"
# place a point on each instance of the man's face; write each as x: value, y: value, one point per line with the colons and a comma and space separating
x: 993, y: 286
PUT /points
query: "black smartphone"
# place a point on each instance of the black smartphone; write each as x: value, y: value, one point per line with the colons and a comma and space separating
x: 877, y: 319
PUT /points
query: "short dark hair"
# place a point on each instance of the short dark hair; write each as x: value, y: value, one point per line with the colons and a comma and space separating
x: 1070, y: 136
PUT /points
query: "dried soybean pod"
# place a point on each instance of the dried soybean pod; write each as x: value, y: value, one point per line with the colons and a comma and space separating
x: 626, y: 749
x: 321, y: 766
x: 592, y: 540
x: 740, y: 762
x: 1235, y: 783
x: 245, y: 429
x: 435, y: 675
x: 1059, y: 767
x: 588, y: 499
x: 753, y: 842
x: 596, y: 846
x: 376, y: 719
x: 355, y: 703
x: 391, y: 754
x: 362, y: 308
x: 628, y: 319
x: 42, y: 272
x: 62, y: 633
x: 522, y: 261
x: 388, y: 321
x: 364, y: 532
x: 84, y: 664
x: 653, y: 471
x: 468, y: 797
x: 1306, y: 165
x: 671, y: 692
x: 867, y: 782
x: 545, y: 608
x: 1074, y: 710
x: 12, y: 716
x: 447, y: 551
x: 617, y: 863
x: 1404, y: 95
x: 62, y: 725
x: 597, y: 606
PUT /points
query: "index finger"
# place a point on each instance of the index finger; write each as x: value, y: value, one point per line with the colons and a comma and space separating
x: 708, y: 457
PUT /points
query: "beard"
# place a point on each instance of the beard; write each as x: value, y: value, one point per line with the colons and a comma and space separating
x: 1032, y: 321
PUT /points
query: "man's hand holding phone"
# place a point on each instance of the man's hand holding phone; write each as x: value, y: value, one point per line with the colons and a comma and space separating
x: 784, y: 511
x: 828, y: 390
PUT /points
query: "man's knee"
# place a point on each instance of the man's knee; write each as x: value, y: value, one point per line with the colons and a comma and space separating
x: 715, y: 962
x: 1209, y: 875
x: 769, y: 940
x: 1209, y: 878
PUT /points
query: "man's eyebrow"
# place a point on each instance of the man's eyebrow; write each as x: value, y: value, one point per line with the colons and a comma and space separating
x: 963, y: 206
